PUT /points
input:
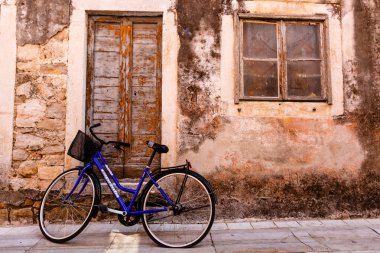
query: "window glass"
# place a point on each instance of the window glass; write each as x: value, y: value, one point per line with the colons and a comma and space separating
x: 260, y: 78
x: 304, y: 79
x: 302, y: 41
x: 259, y: 40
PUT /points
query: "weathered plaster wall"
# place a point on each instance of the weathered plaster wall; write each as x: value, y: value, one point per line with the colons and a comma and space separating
x: 7, y: 84
x: 287, y: 159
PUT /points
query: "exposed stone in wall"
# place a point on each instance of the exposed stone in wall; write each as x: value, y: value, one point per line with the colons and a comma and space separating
x: 38, y: 154
x: 39, y: 20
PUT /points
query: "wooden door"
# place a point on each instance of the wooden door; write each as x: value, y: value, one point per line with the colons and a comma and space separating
x: 124, y: 87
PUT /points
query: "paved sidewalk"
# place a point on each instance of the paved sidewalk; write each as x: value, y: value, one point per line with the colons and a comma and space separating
x: 361, y: 235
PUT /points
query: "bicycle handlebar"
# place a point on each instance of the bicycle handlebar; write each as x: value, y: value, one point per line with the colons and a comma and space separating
x: 116, y: 144
x: 93, y: 134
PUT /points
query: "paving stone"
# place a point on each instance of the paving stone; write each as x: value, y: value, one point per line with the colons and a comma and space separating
x: 262, y: 247
x: 18, y: 241
x: 5, y: 230
x: 219, y: 226
x: 359, y: 222
x: 287, y: 224
x: 263, y: 224
x: 88, y: 240
x: 373, y: 221
x: 341, y: 233
x: 333, y: 223
x: 351, y: 245
x: 119, y: 228
x: 134, y: 240
x: 24, y: 230
x: 310, y: 223
x: 155, y: 249
x: 251, y: 235
x: 240, y: 225
x: 97, y: 228
x: 363, y: 251
x: 69, y: 250
x: 15, y: 250
x: 305, y: 238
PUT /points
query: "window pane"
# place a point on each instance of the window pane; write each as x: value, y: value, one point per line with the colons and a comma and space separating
x: 260, y: 78
x: 259, y: 40
x: 304, y: 79
x: 302, y: 41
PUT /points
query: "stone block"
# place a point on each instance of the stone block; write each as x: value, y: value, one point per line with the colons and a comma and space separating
x: 37, y: 204
x: 56, y: 81
x: 56, y: 111
x: 45, y: 90
x: 54, y: 69
x: 53, y: 149
x: 50, y: 124
x: 53, y: 160
x: 54, y: 50
x: 43, y: 184
x: 20, y: 155
x: 24, y: 89
x: 27, y: 168
x: 28, y: 52
x: 28, y: 202
x: 18, y: 184
x: 49, y: 172
x: 29, y: 141
x: 12, y: 197
x: 30, y: 66
x: 3, y: 216
x: 21, y: 216
x: 30, y: 112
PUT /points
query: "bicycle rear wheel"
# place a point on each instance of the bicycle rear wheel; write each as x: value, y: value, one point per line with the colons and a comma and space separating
x: 62, y: 219
x: 190, y: 220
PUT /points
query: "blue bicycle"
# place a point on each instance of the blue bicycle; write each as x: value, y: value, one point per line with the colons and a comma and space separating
x: 176, y: 205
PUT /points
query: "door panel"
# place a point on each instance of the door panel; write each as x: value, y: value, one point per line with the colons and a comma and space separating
x: 124, y: 87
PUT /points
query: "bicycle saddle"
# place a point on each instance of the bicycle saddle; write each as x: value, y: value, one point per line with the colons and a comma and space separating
x: 157, y: 147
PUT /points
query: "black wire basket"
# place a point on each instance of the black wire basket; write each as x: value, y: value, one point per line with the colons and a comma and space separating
x: 83, y: 147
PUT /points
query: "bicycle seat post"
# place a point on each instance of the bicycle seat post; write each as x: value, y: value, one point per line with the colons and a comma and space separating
x: 151, y: 157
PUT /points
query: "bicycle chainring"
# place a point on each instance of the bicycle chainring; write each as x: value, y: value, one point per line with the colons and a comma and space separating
x: 129, y: 220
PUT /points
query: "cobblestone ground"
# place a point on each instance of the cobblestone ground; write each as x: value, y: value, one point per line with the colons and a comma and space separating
x: 362, y: 235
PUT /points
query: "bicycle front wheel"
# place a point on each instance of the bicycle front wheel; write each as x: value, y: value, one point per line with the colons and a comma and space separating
x: 189, y: 221
x: 62, y: 218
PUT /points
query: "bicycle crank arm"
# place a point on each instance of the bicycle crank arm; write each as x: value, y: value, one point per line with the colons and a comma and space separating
x: 105, y: 209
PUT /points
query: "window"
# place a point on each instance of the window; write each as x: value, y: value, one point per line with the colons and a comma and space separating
x: 282, y: 60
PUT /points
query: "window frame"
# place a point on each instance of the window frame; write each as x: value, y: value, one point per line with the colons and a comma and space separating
x: 280, y: 21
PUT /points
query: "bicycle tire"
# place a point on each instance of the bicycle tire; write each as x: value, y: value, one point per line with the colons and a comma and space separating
x: 54, y: 220
x: 188, y: 224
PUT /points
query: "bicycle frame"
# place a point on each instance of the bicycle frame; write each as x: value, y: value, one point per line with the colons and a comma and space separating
x: 99, y: 161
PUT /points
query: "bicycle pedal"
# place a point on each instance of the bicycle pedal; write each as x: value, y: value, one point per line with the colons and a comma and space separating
x: 103, y: 208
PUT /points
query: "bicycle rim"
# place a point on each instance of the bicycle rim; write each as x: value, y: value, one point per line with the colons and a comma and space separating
x: 187, y: 227
x: 60, y: 219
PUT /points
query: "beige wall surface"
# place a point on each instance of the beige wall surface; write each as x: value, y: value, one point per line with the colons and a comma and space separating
x: 7, y: 84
